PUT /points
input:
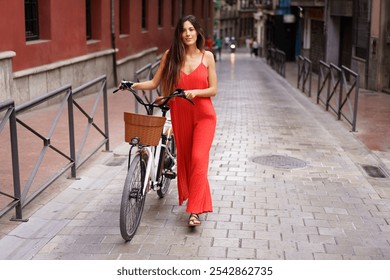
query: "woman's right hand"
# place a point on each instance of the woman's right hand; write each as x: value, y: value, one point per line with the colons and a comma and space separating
x: 126, y: 84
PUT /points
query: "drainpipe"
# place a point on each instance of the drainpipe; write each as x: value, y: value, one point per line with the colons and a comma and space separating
x: 114, y: 67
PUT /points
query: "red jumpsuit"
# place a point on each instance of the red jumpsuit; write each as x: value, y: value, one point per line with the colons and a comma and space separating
x: 194, y: 128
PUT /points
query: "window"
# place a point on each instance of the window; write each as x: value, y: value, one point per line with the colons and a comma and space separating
x: 88, y: 20
x: 93, y: 19
x: 32, y: 19
x: 160, y: 13
x: 124, y: 16
x: 361, y: 28
x: 144, y: 18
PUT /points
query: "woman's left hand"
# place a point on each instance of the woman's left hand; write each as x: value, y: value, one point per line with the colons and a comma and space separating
x: 190, y: 94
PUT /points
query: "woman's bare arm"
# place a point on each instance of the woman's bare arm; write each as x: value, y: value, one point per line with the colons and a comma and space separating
x: 153, y: 83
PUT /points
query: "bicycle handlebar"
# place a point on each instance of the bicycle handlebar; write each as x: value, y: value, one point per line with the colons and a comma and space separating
x: 158, y: 103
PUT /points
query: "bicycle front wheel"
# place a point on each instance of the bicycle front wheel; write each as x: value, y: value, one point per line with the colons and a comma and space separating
x: 133, y: 199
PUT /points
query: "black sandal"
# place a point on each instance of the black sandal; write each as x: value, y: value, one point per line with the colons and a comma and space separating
x: 194, y: 220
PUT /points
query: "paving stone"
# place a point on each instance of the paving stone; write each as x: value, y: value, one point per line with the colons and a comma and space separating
x: 213, y: 252
x: 226, y: 242
x: 215, y: 233
x: 230, y: 225
x: 241, y: 233
x: 241, y: 253
x: 293, y: 255
x: 269, y: 255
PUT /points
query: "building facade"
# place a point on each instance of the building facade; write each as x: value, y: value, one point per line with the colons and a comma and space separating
x: 46, y: 43
x: 352, y: 33
x: 234, y: 18
x: 378, y: 46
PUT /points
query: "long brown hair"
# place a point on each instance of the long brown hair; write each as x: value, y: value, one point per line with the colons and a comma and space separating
x: 176, y: 54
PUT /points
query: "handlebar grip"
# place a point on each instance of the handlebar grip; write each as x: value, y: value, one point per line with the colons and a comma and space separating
x: 127, y: 84
x: 124, y: 85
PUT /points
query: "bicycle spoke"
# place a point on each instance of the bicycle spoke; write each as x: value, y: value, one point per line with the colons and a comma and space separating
x: 133, y: 199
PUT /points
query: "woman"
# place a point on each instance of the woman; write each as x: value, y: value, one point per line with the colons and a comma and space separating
x: 187, y: 65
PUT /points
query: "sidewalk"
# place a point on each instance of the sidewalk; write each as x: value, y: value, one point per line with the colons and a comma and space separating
x: 373, y: 119
x: 286, y: 178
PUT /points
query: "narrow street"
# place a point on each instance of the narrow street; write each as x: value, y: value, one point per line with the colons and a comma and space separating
x: 286, y: 180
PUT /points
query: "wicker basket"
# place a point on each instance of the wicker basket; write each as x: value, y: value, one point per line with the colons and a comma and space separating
x: 147, y: 128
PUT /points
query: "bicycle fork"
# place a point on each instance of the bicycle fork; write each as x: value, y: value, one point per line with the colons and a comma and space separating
x: 142, y: 152
x: 154, y: 169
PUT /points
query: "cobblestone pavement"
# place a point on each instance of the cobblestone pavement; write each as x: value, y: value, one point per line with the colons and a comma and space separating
x: 287, y: 183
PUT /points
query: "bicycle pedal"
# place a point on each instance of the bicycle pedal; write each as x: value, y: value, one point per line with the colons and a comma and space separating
x: 170, y: 174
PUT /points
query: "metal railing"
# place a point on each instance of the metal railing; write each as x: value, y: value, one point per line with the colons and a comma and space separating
x: 101, y: 94
x: 334, y: 90
x: 68, y: 102
x: 349, y: 95
x: 277, y: 60
x: 324, y: 80
x: 146, y: 73
x: 140, y: 75
x: 8, y: 107
x: 63, y: 93
x: 304, y: 75
x: 65, y: 97
x: 341, y: 89
x: 153, y: 70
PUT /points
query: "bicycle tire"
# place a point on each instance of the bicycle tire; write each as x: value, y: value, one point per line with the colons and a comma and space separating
x: 133, y: 201
x: 165, y: 181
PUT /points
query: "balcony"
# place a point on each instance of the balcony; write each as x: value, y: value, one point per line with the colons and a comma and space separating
x: 231, y: 2
x: 308, y: 3
x: 263, y: 4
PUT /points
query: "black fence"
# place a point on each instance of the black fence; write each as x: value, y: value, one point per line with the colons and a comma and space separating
x: 277, y: 60
x: 8, y: 108
x: 70, y: 103
x: 67, y: 99
x: 304, y: 75
x: 338, y: 88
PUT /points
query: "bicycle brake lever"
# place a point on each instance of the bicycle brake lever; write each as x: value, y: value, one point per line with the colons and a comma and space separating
x: 180, y: 93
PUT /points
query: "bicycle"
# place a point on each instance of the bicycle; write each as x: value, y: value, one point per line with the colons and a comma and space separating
x: 152, y: 165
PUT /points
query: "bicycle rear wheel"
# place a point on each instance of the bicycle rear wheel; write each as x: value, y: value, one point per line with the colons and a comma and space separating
x: 133, y: 199
x: 167, y: 173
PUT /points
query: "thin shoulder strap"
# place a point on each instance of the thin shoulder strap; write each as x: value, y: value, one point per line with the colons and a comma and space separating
x: 202, y: 57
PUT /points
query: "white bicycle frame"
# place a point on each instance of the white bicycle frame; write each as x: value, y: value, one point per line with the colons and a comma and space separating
x: 153, y: 155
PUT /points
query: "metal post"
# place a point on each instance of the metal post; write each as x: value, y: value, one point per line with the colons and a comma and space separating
x: 72, y: 146
x: 299, y: 70
x: 355, y: 105
x: 105, y: 105
x: 310, y: 76
x: 341, y: 79
x: 329, y: 85
x: 15, y: 164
